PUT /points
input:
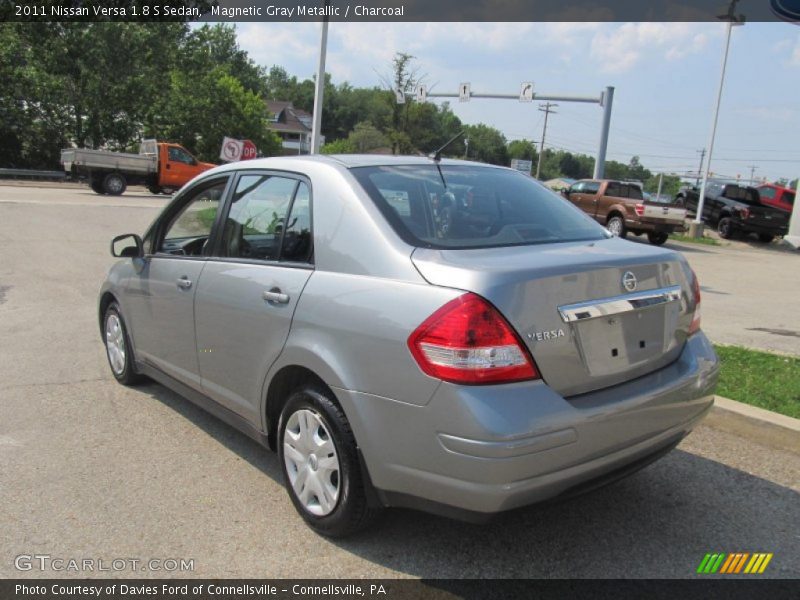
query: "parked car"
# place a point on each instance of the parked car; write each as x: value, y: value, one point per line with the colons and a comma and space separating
x: 736, y: 209
x: 161, y: 166
x: 447, y: 336
x: 622, y: 208
x: 776, y: 196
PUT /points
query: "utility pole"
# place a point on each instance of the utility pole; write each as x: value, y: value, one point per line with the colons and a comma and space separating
x: 752, y: 173
x: 546, y: 109
x: 700, y: 168
x: 731, y: 19
x: 319, y: 89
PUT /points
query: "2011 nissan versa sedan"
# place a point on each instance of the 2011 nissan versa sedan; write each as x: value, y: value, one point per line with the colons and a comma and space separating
x: 441, y: 335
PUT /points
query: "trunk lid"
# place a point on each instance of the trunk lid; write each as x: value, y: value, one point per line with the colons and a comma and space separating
x: 569, y: 305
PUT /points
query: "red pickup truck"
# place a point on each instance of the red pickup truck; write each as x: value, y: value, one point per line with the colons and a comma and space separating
x: 777, y: 196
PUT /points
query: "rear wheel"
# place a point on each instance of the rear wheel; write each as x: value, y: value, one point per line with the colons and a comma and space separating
x: 616, y: 225
x: 320, y: 464
x: 725, y: 228
x: 657, y: 238
x: 114, y: 184
x: 97, y: 186
x: 766, y: 237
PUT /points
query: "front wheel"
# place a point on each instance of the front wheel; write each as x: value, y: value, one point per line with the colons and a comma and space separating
x: 657, y: 238
x: 725, y: 228
x: 616, y: 226
x: 154, y: 189
x: 321, y: 469
x: 118, y: 347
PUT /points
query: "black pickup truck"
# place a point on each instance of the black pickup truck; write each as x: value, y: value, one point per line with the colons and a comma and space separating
x: 736, y: 208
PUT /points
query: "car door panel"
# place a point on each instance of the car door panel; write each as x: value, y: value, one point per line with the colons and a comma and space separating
x: 240, y: 332
x: 161, y: 304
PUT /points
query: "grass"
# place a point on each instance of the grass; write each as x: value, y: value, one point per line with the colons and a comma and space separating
x: 676, y: 237
x: 761, y: 379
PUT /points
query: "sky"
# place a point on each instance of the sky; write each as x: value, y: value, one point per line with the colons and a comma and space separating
x: 665, y: 77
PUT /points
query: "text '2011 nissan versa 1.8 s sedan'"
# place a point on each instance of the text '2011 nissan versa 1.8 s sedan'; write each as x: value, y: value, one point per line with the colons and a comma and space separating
x: 434, y: 334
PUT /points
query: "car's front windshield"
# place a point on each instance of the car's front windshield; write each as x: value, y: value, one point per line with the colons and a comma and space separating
x: 469, y: 206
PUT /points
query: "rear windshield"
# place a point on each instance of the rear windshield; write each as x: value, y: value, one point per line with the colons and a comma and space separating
x: 472, y: 207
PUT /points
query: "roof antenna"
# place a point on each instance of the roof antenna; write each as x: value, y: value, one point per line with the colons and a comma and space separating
x: 437, y: 155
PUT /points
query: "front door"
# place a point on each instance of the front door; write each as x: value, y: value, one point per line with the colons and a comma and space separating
x: 178, y: 167
x: 161, y: 297
x: 250, y: 287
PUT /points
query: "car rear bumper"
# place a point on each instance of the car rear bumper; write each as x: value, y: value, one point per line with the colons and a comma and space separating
x: 654, y: 225
x: 486, y: 449
x: 765, y: 229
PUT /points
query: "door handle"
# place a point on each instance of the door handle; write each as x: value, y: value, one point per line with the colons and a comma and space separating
x: 184, y: 283
x: 276, y: 296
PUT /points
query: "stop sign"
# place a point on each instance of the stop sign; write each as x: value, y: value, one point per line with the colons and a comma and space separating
x: 248, y: 150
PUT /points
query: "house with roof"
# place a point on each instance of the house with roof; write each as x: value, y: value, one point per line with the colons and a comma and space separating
x: 293, y: 126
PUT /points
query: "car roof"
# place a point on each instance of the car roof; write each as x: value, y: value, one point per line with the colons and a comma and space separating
x: 348, y: 161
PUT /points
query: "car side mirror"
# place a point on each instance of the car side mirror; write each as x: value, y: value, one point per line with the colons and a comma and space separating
x: 127, y: 245
x: 565, y: 192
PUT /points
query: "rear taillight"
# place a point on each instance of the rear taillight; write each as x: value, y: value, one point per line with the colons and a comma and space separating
x: 639, y: 208
x: 468, y: 341
x: 695, y: 325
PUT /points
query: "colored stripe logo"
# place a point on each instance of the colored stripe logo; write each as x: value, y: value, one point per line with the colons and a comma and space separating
x: 735, y: 563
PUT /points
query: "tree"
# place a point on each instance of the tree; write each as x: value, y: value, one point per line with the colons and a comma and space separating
x: 522, y: 149
x: 366, y: 137
x: 340, y: 146
x: 486, y: 144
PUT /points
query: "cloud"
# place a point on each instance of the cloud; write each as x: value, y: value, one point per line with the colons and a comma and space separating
x: 620, y: 49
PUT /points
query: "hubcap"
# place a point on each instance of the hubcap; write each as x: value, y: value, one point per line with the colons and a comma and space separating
x: 311, y: 462
x: 615, y: 227
x: 115, y: 344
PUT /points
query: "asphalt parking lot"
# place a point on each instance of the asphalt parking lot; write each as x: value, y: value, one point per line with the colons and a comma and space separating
x: 91, y: 469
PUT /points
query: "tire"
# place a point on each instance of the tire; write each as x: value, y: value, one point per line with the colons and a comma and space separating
x: 97, y: 186
x: 725, y: 228
x: 766, y: 237
x: 318, y: 455
x: 154, y: 189
x: 114, y: 184
x: 118, y: 347
x: 657, y: 238
x: 616, y: 225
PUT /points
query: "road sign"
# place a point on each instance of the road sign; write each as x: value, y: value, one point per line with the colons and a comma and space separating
x: 463, y: 92
x: 526, y: 92
x: 400, y: 96
x: 249, y: 150
x: 522, y: 165
x: 422, y: 93
x: 231, y: 150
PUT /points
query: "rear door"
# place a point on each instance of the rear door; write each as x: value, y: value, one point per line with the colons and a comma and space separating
x: 250, y: 287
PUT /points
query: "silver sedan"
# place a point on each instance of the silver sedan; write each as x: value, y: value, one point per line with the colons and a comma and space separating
x: 434, y: 334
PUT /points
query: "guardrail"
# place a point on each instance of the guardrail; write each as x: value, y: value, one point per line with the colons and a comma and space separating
x: 32, y: 174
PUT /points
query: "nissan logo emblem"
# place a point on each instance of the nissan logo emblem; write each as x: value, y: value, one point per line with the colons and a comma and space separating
x: 629, y: 281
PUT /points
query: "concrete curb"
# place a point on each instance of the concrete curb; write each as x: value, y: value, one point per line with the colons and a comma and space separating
x: 763, y: 426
